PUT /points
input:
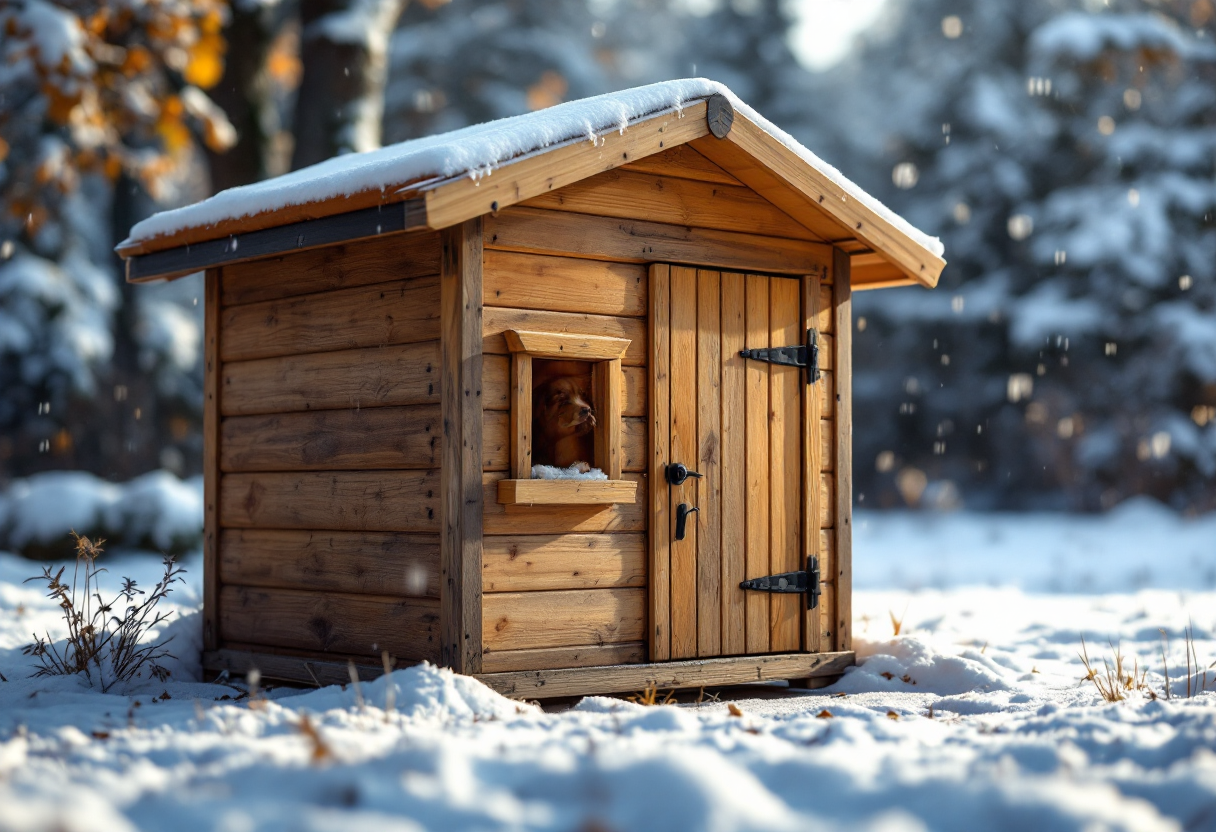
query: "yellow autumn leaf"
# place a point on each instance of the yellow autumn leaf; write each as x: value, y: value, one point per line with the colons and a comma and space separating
x: 206, y: 64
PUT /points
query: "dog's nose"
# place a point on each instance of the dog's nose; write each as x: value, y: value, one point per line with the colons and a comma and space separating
x: 586, y: 411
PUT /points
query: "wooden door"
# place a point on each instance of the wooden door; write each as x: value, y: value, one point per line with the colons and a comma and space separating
x: 740, y: 424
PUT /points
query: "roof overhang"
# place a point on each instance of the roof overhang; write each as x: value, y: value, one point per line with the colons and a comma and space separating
x: 881, y: 253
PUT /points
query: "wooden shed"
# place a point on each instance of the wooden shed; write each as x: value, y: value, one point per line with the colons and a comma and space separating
x: 377, y: 327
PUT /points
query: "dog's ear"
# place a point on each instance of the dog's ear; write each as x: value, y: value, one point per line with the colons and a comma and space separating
x: 555, y: 396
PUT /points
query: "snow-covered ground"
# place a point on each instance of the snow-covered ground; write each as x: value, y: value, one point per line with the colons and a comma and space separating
x: 975, y: 717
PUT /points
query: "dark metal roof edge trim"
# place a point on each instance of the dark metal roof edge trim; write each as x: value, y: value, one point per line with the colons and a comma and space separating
x: 393, y: 218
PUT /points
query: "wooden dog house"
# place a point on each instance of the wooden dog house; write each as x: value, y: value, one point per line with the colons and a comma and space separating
x: 372, y: 324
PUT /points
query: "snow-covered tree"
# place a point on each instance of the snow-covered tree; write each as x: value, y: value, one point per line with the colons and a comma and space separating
x: 1066, y: 152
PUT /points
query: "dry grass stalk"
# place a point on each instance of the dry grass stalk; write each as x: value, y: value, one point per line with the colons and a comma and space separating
x: 320, y: 749
x: 1114, y: 682
x: 1194, y: 686
x: 650, y: 696
x: 104, y: 647
x: 897, y: 624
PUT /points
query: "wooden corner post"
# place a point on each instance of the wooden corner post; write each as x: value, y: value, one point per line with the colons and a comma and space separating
x: 460, y: 477
x: 211, y: 459
x: 842, y: 304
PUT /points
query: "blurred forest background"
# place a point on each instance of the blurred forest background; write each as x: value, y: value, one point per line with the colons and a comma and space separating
x: 1065, y: 151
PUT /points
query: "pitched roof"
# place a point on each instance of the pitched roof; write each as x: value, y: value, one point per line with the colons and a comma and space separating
x: 487, y: 167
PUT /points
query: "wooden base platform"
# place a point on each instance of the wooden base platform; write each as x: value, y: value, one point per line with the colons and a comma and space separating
x: 578, y: 681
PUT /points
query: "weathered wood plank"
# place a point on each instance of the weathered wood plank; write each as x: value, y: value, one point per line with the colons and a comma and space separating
x: 527, y: 563
x: 333, y: 440
x: 607, y: 238
x: 496, y: 386
x: 619, y: 517
x: 401, y: 312
x: 211, y: 457
x: 542, y: 684
x: 682, y: 162
x: 567, y: 618
x: 642, y: 196
x: 842, y: 303
x: 734, y: 473
x: 609, y: 436
x: 786, y: 326
x: 366, y: 563
x: 460, y: 503
x: 378, y: 260
x: 497, y: 321
x: 564, y: 284
x: 565, y: 345
x: 633, y: 652
x: 659, y: 634
x: 289, y: 665
x: 518, y: 442
x: 812, y: 457
x: 404, y: 375
x: 709, y: 463
x: 532, y: 493
x: 756, y: 335
x: 684, y: 449
x: 462, y: 198
x: 384, y: 501
x: 329, y: 622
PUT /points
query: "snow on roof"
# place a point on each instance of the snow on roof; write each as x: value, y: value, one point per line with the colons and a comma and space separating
x: 477, y: 151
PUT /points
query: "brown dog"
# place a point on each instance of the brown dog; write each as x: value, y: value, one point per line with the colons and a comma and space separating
x: 563, y: 419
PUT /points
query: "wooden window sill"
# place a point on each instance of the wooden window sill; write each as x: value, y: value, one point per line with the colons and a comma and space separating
x: 565, y: 492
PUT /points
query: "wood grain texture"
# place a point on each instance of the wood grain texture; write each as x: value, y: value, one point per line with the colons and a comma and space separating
x: 211, y: 457
x: 531, y: 620
x: 564, y: 284
x: 659, y: 631
x: 682, y: 162
x: 620, y: 517
x: 496, y: 386
x: 497, y: 321
x: 283, y: 665
x: 460, y: 513
x: 463, y: 197
x: 734, y: 464
x: 528, y: 492
x: 528, y: 563
x: 381, y: 260
x: 385, y: 501
x: 737, y: 670
x: 683, y: 428
x: 519, y: 442
x: 562, y: 233
x: 756, y: 335
x: 328, y: 622
x: 633, y: 195
x: 561, y: 345
x: 709, y: 463
x: 557, y: 657
x: 384, y: 377
x: 333, y: 440
x: 401, y: 312
x: 785, y: 463
x: 843, y: 306
x: 368, y: 563
x: 496, y: 443
x: 609, y: 456
x: 812, y: 458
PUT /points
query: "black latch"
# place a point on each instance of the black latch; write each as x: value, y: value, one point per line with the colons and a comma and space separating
x: 791, y: 582
x: 805, y: 356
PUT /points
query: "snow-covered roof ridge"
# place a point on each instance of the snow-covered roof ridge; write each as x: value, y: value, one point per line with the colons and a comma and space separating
x: 477, y: 151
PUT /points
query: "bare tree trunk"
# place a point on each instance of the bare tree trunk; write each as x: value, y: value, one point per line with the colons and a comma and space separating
x: 244, y: 94
x: 344, y: 48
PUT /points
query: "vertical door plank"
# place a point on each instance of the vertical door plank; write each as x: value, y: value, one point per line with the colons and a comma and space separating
x: 785, y: 435
x: 842, y: 301
x: 812, y: 458
x: 734, y: 465
x: 460, y: 477
x: 521, y: 416
x: 684, y: 449
x: 660, y: 435
x: 709, y: 464
x: 211, y: 459
x: 756, y: 607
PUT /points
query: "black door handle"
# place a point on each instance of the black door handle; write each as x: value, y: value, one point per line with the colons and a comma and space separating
x: 682, y: 512
x: 677, y: 472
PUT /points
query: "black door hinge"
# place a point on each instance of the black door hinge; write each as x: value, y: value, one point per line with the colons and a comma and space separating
x: 805, y: 355
x: 806, y: 581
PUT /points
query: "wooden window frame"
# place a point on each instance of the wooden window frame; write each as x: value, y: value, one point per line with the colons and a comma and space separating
x: 604, y: 354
